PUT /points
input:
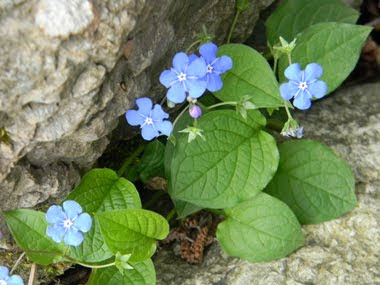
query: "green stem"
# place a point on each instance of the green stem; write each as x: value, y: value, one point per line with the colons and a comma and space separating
x: 129, y: 160
x: 96, y: 266
x: 180, y: 114
x: 289, y: 58
x: 233, y: 26
x: 154, y: 199
x: 192, y: 45
x: 17, y: 263
x: 171, y: 214
x: 89, y: 265
x: 232, y: 103
x: 215, y: 211
x: 275, y: 66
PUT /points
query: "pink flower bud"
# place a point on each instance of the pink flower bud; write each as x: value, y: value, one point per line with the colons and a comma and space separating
x: 195, y: 112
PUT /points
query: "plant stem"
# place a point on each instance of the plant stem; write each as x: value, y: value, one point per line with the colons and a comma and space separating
x: 275, y: 66
x: 17, y: 263
x: 171, y: 214
x: 232, y: 103
x: 163, y: 100
x: 233, y: 26
x: 180, y: 114
x: 192, y: 45
x: 154, y: 199
x: 96, y: 266
x: 70, y: 259
x: 215, y: 211
x: 289, y: 58
x: 129, y: 160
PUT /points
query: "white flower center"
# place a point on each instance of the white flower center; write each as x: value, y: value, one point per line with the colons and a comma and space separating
x: 67, y: 224
x: 302, y: 86
x: 3, y: 282
x: 209, y: 68
x: 181, y: 77
x: 148, y: 121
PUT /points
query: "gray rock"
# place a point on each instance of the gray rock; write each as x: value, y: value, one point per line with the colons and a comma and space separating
x: 342, y: 251
x: 61, y: 67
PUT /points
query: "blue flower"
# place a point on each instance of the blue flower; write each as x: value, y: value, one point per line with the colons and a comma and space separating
x: 68, y: 224
x: 5, y: 279
x: 303, y: 85
x: 151, y: 120
x: 215, y: 66
x: 186, y: 76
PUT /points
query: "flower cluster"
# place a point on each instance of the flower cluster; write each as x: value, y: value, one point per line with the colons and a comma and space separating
x: 68, y: 223
x: 150, y: 119
x: 5, y: 279
x: 303, y: 85
x: 192, y: 75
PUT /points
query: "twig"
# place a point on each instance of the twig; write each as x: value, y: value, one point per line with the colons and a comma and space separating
x: 32, y: 275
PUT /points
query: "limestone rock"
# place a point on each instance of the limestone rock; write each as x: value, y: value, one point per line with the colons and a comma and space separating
x: 342, y: 251
x: 62, y: 64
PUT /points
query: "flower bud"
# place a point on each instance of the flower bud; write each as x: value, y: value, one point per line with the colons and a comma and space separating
x: 195, y: 112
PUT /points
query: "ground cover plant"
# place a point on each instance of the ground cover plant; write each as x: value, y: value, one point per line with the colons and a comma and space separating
x: 220, y: 153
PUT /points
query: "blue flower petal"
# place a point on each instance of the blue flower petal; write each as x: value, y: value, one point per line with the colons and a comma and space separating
x: 223, y: 64
x: 208, y: 51
x: 55, y: 232
x: 164, y: 127
x: 214, y: 82
x: 313, y: 71
x: 176, y: 93
x: 302, y: 101
x: 72, y: 209
x: 73, y: 237
x: 3, y: 272
x: 293, y: 72
x: 180, y: 62
x: 145, y: 106
x: 288, y: 90
x: 197, y: 68
x: 55, y: 214
x: 317, y: 89
x: 134, y: 118
x: 158, y: 114
x: 192, y: 57
x: 168, y: 77
x: 83, y: 222
x: 15, y: 280
x: 196, y: 87
x: 149, y: 132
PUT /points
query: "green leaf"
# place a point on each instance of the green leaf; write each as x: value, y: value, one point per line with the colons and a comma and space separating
x: 133, y: 231
x: 250, y: 75
x: 234, y: 163
x: 185, y: 208
x: 334, y: 46
x: 101, y: 190
x: 152, y: 161
x: 142, y: 274
x: 261, y: 229
x: 316, y: 184
x: 293, y: 16
x: 29, y: 230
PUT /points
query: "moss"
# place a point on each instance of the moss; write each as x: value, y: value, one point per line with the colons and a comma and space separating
x: 45, y: 274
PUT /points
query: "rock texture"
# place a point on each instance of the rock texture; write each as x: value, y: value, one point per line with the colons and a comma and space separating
x: 342, y: 251
x: 62, y: 63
